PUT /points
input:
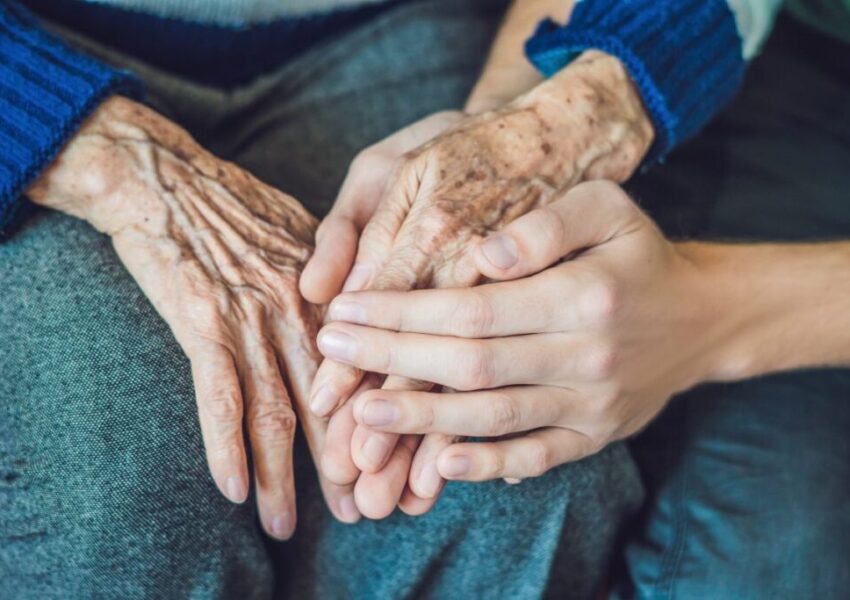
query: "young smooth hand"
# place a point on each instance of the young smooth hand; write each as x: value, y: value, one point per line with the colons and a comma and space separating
x: 596, y: 322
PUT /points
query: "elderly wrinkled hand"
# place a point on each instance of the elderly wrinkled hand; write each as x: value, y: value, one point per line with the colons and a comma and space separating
x: 219, y: 255
x: 596, y: 322
x: 419, y: 229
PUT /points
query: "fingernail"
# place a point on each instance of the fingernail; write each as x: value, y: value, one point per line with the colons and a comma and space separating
x: 346, y: 310
x: 337, y: 345
x: 513, y: 480
x: 324, y: 401
x: 501, y: 251
x: 358, y: 278
x: 456, y: 466
x: 429, y: 481
x: 379, y: 413
x: 236, y: 490
x: 282, y: 526
x: 348, y: 510
x: 374, y: 450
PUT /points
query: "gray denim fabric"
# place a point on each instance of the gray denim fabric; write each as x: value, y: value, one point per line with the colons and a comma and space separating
x: 104, y: 490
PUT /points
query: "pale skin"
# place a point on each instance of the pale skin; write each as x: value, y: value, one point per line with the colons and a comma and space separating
x: 594, y: 322
x: 411, y: 212
x: 219, y: 254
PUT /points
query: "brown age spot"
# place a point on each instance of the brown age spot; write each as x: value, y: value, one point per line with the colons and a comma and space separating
x: 546, y: 147
x: 475, y: 175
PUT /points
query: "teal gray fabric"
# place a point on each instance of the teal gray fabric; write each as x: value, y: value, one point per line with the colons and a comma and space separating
x: 104, y: 491
x: 749, y: 482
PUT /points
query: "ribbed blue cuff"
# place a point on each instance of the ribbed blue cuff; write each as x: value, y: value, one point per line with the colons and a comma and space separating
x: 46, y: 92
x: 683, y: 55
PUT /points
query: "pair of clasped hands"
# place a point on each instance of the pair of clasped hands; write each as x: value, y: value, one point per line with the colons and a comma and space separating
x: 546, y: 317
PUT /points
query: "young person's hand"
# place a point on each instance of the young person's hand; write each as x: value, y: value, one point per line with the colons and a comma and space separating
x: 597, y: 322
x: 440, y: 200
x: 219, y: 254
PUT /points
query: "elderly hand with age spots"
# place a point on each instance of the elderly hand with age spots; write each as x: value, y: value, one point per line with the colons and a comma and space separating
x: 595, y: 322
x: 422, y: 211
x: 219, y: 254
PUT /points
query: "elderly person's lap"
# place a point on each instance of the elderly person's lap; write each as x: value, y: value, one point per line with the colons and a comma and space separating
x: 104, y: 486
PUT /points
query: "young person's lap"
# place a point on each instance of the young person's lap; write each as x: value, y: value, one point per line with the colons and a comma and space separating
x: 748, y: 481
x: 105, y: 490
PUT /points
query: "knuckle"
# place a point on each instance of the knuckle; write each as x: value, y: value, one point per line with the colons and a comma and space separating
x: 601, y: 362
x: 476, y: 369
x: 495, y: 463
x: 426, y: 416
x: 224, y: 406
x: 552, y: 230
x: 228, y: 452
x: 539, y: 458
x: 602, y: 404
x: 505, y: 415
x: 273, y: 422
x: 602, y: 301
x: 474, y: 316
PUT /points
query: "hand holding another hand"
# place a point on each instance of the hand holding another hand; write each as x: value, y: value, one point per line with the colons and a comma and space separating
x: 419, y: 229
x: 596, y: 321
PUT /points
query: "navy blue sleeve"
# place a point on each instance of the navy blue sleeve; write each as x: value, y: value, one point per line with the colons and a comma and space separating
x: 46, y: 92
x: 684, y: 56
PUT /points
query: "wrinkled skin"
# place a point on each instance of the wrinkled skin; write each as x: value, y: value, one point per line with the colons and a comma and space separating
x: 598, y: 321
x: 441, y: 199
x: 219, y: 255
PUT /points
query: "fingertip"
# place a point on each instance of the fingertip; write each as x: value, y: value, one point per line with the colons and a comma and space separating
x: 326, y: 271
x: 374, y: 498
x: 414, y: 506
x: 340, y: 501
x: 359, y: 278
x: 235, y: 489
x: 280, y: 526
x: 320, y: 280
x: 324, y: 400
x: 427, y: 483
x: 347, y: 508
x: 361, y: 400
x: 371, y: 450
x: 497, y: 257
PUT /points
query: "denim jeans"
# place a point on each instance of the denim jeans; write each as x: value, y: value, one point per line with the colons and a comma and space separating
x: 749, y: 482
x: 104, y: 490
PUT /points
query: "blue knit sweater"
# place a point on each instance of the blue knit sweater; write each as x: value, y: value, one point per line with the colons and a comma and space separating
x: 686, y: 57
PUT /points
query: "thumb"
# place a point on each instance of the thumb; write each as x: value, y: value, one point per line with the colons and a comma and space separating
x: 588, y: 215
x: 336, y: 243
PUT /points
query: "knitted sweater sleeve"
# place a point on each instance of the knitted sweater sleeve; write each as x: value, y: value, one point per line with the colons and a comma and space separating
x: 686, y: 57
x: 47, y: 89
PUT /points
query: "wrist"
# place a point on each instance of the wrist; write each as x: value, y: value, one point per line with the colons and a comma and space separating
x: 596, y: 96
x: 772, y: 307
x: 99, y: 175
